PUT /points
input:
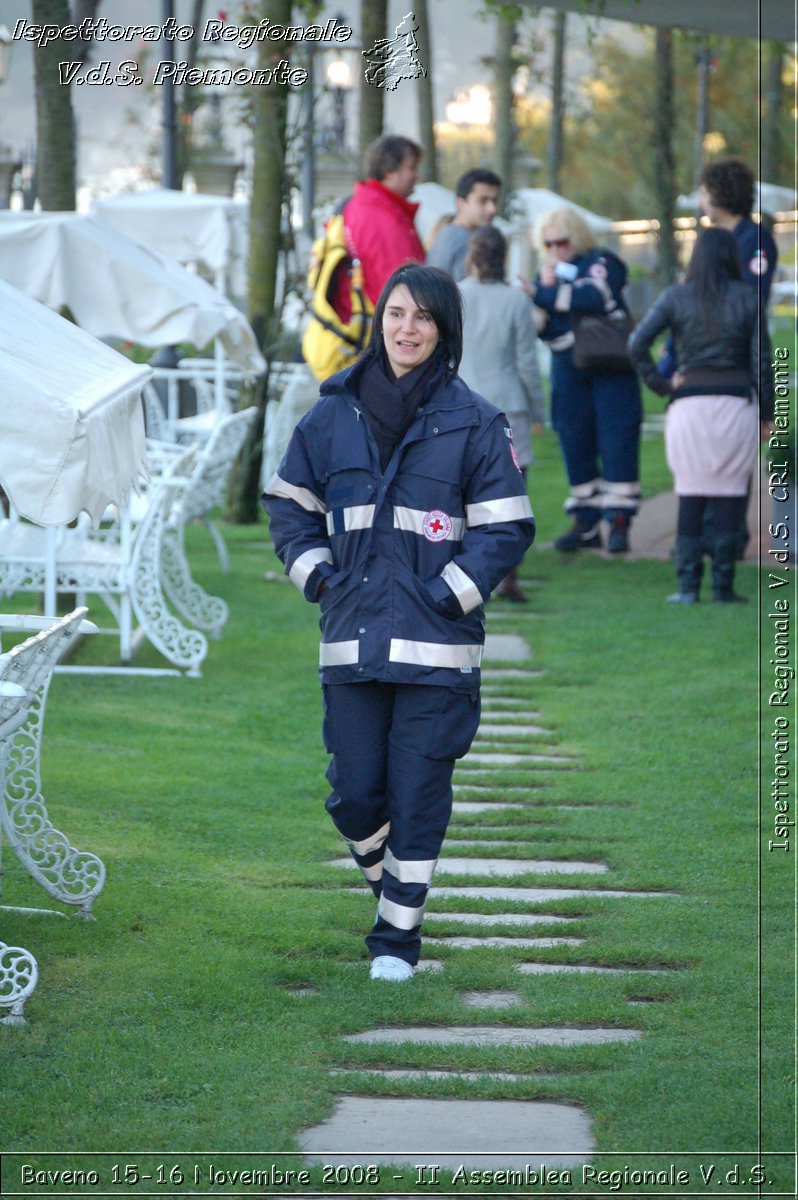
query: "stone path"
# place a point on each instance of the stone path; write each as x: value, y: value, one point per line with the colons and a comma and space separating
x: 485, y: 1134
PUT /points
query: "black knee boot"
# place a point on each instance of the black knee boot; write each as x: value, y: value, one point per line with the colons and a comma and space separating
x: 725, y: 548
x: 689, y: 569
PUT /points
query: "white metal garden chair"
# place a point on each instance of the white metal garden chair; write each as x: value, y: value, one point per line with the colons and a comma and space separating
x: 123, y: 564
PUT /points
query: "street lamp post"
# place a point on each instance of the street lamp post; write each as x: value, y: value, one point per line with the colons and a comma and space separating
x: 169, y: 172
x: 339, y: 83
x: 332, y: 66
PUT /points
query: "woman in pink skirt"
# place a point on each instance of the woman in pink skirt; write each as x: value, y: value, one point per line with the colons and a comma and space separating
x: 721, y: 402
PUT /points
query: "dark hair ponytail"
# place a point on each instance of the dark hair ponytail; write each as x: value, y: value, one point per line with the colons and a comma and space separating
x: 715, y: 262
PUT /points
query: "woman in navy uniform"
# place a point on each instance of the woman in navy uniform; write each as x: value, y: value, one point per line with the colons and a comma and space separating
x: 399, y: 506
x: 596, y: 415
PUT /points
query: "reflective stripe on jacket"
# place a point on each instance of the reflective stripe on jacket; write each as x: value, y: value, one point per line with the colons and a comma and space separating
x: 407, y: 557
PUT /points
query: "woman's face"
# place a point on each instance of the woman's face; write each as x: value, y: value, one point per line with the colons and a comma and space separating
x: 558, y: 245
x: 409, y: 332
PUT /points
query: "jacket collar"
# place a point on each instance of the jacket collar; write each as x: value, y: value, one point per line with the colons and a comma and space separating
x: 372, y: 189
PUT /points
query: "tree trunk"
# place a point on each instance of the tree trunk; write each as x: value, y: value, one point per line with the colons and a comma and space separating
x: 773, y: 88
x: 703, y: 62
x: 555, y: 147
x: 503, y: 71
x: 55, y: 122
x: 373, y: 28
x: 429, y: 163
x: 664, y: 171
x: 269, y: 124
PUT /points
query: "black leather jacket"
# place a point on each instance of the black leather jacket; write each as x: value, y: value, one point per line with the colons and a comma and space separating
x: 735, y: 360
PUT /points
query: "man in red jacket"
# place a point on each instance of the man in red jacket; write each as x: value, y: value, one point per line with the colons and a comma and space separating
x: 379, y: 217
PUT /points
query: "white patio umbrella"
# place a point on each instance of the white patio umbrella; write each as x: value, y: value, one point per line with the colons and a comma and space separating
x: 72, y: 421
x: 71, y: 415
x: 189, y: 227
x: 115, y: 287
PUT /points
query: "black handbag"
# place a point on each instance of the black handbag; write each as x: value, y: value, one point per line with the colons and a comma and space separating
x: 600, y: 341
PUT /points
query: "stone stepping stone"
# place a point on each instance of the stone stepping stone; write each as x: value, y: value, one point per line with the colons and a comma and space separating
x: 492, y: 673
x: 506, y: 647
x: 542, y: 895
x: 480, y: 806
x: 492, y: 999
x: 490, y: 730
x: 477, y: 1134
x: 498, y: 866
x: 499, y: 918
x: 511, y: 789
x: 512, y: 760
x: 412, y: 1074
x: 504, y: 943
x: 517, y: 866
x: 582, y: 968
x: 493, y: 1035
x: 500, y: 618
x: 483, y: 843
x: 543, y: 829
x: 497, y: 707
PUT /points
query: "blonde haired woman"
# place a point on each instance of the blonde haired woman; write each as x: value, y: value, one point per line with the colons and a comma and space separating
x: 596, y: 415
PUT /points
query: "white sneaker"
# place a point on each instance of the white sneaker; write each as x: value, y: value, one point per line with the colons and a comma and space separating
x: 385, y: 966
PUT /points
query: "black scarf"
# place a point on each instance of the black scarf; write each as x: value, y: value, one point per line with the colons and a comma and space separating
x: 390, y: 404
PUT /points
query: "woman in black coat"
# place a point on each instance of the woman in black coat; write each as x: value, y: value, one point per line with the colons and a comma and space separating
x: 713, y: 419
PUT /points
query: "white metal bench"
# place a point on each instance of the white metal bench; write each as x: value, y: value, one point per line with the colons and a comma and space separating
x: 74, y: 877
x: 19, y: 973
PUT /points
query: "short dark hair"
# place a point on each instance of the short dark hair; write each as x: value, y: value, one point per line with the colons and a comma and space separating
x: 466, y: 183
x: 487, y: 251
x: 731, y: 185
x: 435, y: 291
x: 388, y: 153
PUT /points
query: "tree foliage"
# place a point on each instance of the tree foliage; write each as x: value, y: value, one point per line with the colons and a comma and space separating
x: 612, y: 125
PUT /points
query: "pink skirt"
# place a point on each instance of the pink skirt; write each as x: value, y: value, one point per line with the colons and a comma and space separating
x: 711, y: 444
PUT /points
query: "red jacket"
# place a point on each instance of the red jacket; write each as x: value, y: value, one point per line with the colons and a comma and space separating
x: 381, y: 233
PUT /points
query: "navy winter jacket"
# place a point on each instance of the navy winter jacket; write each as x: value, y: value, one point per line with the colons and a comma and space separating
x: 597, y: 288
x: 407, y: 557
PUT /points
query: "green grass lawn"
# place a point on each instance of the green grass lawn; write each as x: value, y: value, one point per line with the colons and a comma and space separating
x: 180, y: 1019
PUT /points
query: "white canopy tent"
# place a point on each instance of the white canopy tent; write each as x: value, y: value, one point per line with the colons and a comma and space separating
x: 528, y: 203
x: 769, y: 198
x: 115, y: 287
x: 190, y: 227
x: 436, y: 201
x: 71, y: 415
x: 534, y: 202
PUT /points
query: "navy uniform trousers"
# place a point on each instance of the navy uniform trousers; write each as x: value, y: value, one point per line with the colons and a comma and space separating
x: 597, y: 419
x: 393, y: 750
